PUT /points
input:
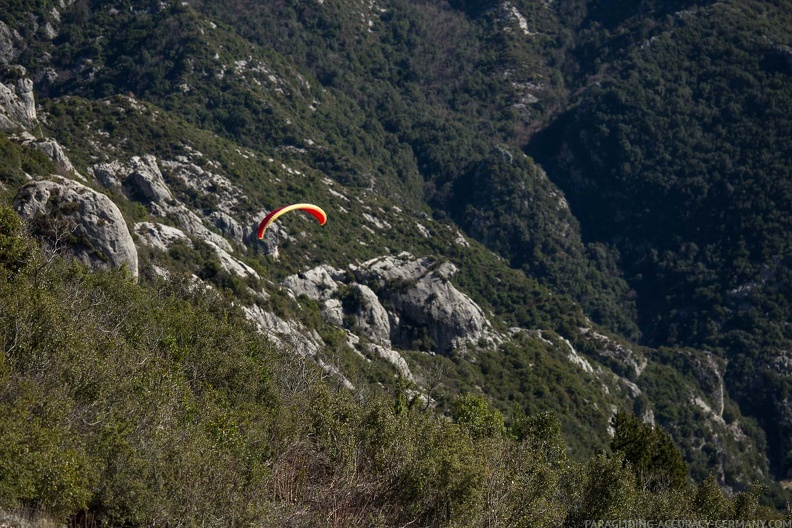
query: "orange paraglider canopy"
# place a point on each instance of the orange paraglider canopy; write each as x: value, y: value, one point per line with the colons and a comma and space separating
x: 317, y: 213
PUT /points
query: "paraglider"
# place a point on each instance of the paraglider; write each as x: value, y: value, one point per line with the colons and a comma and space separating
x: 317, y: 213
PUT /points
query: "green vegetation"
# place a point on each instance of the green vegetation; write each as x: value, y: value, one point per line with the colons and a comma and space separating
x: 375, y: 107
x: 650, y: 452
x: 676, y: 158
x: 152, y: 403
x: 654, y: 209
x: 16, y: 161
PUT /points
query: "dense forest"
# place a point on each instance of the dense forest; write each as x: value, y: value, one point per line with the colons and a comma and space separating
x: 695, y: 193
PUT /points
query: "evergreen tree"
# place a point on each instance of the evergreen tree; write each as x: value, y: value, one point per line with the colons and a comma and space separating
x: 650, y: 452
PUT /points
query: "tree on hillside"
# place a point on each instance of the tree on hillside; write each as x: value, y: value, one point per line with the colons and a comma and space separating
x: 650, y: 452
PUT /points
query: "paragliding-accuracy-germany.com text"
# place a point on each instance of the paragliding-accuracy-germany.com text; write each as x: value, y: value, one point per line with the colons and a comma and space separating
x: 687, y: 523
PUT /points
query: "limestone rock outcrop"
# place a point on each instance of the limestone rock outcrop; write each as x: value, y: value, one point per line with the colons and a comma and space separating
x: 371, y: 318
x: 141, y: 179
x: 162, y: 237
x: 232, y: 265
x: 333, y: 312
x: 422, y: 296
x: 98, y: 232
x: 317, y: 283
x: 145, y: 179
x: 54, y: 151
x: 274, y: 235
x: 411, y: 294
x: 289, y: 334
x: 109, y: 174
x: 9, y: 41
x: 17, y: 106
x: 392, y: 357
x: 395, y: 302
x: 621, y: 359
x: 159, y: 236
x: 192, y: 224
x: 229, y: 227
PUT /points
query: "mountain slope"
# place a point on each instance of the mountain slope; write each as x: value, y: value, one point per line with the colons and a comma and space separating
x: 404, y: 121
x: 678, y: 159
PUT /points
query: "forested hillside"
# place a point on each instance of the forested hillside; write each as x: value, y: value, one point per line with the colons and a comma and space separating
x: 125, y: 405
x: 559, y: 232
x: 679, y: 158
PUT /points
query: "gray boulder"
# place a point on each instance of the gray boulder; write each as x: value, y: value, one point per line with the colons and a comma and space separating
x: 24, y: 88
x: 709, y: 370
x: 423, y: 297
x: 371, y: 318
x: 402, y: 268
x: 333, y: 312
x: 202, y: 181
x: 288, y: 334
x: 109, y: 174
x: 52, y: 148
x: 621, y: 359
x: 782, y: 364
x: 49, y: 31
x: 392, y: 357
x: 274, y: 234
x: 192, y: 224
x: 293, y: 336
x: 17, y: 106
x: 451, y: 316
x: 159, y: 236
x: 99, y: 234
x: 418, y: 294
x: 8, y: 41
x: 414, y: 298
x: 317, y: 283
x: 232, y: 265
x: 146, y: 179
x: 162, y: 237
x: 229, y: 227
x: 142, y: 180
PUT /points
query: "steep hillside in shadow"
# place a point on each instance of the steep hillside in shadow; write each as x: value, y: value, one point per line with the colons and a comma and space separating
x: 677, y: 157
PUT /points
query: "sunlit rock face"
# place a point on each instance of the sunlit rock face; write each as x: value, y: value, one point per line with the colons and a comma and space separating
x: 88, y: 224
